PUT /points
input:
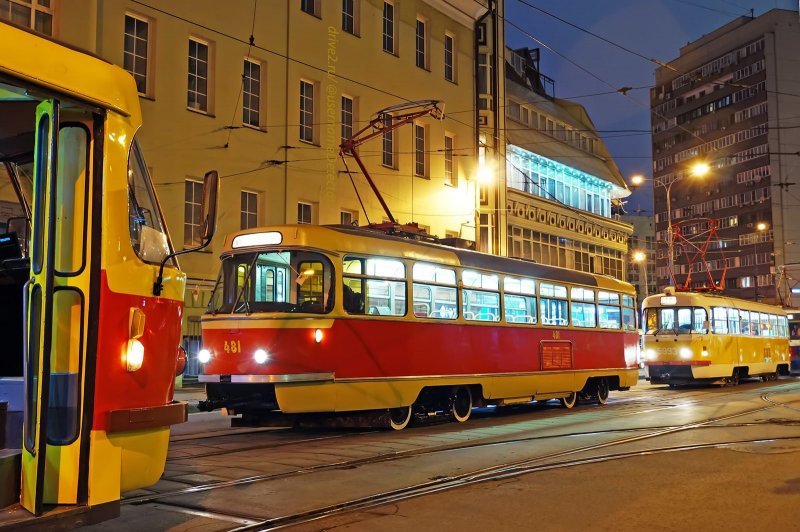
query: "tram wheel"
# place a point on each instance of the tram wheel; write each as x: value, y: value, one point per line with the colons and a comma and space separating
x: 601, y: 391
x: 399, y: 418
x: 570, y: 400
x: 461, y: 407
x: 733, y: 380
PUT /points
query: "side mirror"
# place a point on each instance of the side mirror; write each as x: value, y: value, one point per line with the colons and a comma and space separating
x: 208, y: 214
x: 209, y: 206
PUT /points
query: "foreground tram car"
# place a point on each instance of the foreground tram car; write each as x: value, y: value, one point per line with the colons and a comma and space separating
x: 309, y: 319
x: 699, y: 337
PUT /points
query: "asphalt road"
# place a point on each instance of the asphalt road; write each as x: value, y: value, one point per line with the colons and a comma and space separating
x: 653, y: 458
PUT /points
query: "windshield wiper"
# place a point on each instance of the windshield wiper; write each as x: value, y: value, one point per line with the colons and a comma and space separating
x: 244, y: 285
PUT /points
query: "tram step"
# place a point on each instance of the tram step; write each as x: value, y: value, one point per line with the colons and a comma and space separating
x: 3, y: 413
x: 10, y: 470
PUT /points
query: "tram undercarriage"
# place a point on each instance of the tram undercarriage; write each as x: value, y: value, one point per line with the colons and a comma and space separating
x: 258, y: 405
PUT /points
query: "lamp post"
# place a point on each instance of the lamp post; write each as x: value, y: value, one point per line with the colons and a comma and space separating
x: 640, y: 258
x: 760, y: 228
x: 699, y: 170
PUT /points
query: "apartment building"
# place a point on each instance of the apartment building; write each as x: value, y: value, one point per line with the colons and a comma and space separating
x: 731, y: 100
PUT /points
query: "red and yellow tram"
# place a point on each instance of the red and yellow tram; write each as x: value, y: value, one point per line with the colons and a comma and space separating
x: 310, y: 319
x: 91, y: 354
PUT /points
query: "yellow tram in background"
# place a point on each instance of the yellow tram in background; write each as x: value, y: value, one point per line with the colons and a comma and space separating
x: 690, y: 337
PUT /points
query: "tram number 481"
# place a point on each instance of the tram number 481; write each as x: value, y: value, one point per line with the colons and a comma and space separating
x: 234, y: 346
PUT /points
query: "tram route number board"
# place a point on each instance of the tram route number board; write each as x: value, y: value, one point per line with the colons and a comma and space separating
x: 556, y: 354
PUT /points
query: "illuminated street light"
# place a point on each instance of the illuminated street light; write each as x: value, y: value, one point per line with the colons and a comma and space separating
x: 698, y: 170
x: 760, y: 227
x: 640, y: 258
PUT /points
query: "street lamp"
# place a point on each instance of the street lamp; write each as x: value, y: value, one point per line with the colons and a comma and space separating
x: 760, y: 228
x: 640, y: 258
x: 698, y: 170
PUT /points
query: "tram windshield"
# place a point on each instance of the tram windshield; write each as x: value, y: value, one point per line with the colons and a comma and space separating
x: 676, y: 320
x: 274, y: 281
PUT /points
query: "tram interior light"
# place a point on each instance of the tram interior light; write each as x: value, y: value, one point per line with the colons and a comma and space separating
x: 135, y: 355
x: 686, y: 352
x: 204, y: 356
x: 261, y: 356
x: 318, y: 335
x: 309, y: 272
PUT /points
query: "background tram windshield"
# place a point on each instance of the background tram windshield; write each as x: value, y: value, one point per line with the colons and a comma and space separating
x: 676, y: 320
x: 282, y: 281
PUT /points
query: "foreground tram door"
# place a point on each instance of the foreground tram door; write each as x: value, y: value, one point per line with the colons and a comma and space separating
x: 54, y: 444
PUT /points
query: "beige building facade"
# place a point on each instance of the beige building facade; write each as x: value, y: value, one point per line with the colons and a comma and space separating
x: 264, y: 91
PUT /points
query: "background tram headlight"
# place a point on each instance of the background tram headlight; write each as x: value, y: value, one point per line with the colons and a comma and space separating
x: 204, y: 356
x: 685, y: 352
x: 261, y: 356
x: 650, y: 354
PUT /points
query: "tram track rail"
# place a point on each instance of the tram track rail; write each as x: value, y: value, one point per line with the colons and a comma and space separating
x: 550, y: 461
x: 619, y: 404
x: 399, y: 455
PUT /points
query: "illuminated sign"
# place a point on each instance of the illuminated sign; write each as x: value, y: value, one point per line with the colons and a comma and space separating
x: 669, y: 300
x: 273, y: 238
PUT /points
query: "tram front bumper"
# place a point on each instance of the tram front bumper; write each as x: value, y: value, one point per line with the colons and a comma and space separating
x: 148, y: 417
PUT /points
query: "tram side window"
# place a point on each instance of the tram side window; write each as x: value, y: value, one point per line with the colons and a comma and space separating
x: 609, y: 316
x: 783, y: 326
x: 651, y: 320
x: 435, y: 292
x: 628, y: 313
x: 764, y: 320
x: 584, y: 313
x: 755, y: 325
x: 733, y: 321
x: 553, y: 304
x: 773, y: 325
x: 700, y: 321
x: 720, y: 321
x: 482, y: 304
x: 374, y: 286
x: 519, y: 300
x: 744, y: 321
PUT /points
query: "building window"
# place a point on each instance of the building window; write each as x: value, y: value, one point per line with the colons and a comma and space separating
x: 136, y: 53
x: 251, y: 93
x: 388, y: 144
x: 419, y: 150
x: 348, y: 218
x: 350, y: 16
x: 34, y: 14
x: 310, y: 6
x: 422, y: 45
x: 388, y: 27
x: 249, y: 212
x: 450, y: 176
x: 306, y: 111
x: 193, y: 199
x: 449, y: 58
x: 347, y: 117
x: 198, y: 75
x: 303, y: 213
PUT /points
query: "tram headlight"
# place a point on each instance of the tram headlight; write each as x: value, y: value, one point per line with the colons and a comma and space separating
x: 318, y: 335
x: 261, y: 356
x: 204, y: 356
x: 685, y: 352
x: 650, y: 354
x: 135, y: 355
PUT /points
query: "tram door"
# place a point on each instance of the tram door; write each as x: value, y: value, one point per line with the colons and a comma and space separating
x: 54, y: 470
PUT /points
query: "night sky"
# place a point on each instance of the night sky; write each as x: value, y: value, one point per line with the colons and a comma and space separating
x: 653, y: 28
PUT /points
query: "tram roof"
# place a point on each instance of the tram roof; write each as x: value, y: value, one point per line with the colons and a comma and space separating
x: 363, y: 241
x: 55, y: 66
x: 709, y: 300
